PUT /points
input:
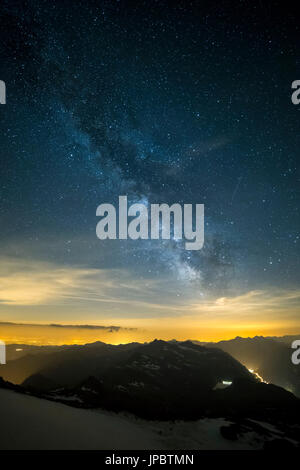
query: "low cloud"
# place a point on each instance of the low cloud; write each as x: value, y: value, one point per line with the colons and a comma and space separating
x: 42, y: 291
x: 110, y: 329
x: 36, y: 283
x: 258, y: 306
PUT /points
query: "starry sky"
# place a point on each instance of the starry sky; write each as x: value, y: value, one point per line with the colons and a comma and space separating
x: 186, y: 102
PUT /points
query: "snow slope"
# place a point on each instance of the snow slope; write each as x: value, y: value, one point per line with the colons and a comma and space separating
x: 32, y: 423
x: 28, y: 422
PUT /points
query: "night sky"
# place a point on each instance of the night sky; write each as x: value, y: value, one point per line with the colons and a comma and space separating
x: 186, y: 102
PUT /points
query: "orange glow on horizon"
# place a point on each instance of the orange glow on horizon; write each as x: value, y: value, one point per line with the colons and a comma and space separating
x: 50, y: 335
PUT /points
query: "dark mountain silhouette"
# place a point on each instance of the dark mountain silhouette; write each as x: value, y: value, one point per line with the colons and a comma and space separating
x: 67, y: 365
x: 161, y: 380
x: 9, y: 386
x: 165, y: 381
x: 39, y: 383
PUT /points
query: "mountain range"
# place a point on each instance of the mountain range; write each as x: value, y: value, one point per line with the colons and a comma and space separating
x: 166, y: 381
